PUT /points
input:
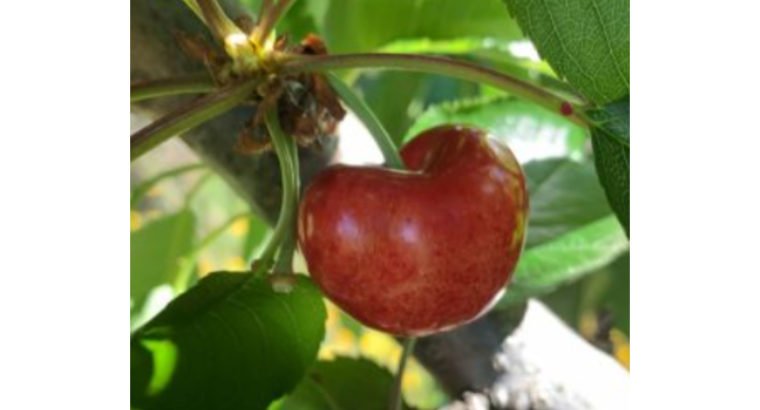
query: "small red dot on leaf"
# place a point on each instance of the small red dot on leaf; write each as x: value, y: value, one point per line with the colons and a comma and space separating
x: 566, y: 109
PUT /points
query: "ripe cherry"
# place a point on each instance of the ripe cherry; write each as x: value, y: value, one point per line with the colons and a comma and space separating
x: 419, y: 251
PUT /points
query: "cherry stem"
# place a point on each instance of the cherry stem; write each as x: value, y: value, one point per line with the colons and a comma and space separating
x: 373, y: 124
x: 195, y: 84
x: 396, y: 397
x: 435, y: 65
x: 189, y: 116
x: 270, y: 15
x: 264, y: 8
x: 284, y: 262
x: 288, y: 247
x: 287, y: 154
x: 217, y: 20
x: 235, y: 41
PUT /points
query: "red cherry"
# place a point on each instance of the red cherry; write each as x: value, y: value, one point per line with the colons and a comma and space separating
x: 420, y: 251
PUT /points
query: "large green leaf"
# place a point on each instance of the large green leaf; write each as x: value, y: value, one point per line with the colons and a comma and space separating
x: 564, y: 195
x: 230, y: 342
x: 570, y: 256
x: 454, y: 46
x: 530, y: 131
x: 585, y: 41
x: 155, y: 252
x: 611, y: 140
x: 352, y: 26
x: 341, y: 384
x: 571, y: 229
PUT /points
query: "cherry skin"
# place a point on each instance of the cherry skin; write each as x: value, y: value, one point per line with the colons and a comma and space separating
x: 420, y: 251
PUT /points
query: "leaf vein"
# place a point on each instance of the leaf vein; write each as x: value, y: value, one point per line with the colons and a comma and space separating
x: 608, y: 43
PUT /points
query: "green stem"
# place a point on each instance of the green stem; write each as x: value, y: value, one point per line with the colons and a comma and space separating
x: 145, y: 90
x: 264, y: 10
x: 396, y: 397
x: 365, y: 114
x: 288, y: 247
x: 434, y: 65
x: 216, y: 19
x: 270, y: 15
x: 189, y: 116
x: 284, y: 262
x: 235, y: 41
x: 285, y: 148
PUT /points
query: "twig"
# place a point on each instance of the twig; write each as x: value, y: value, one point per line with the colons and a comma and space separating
x: 194, y: 84
x: 436, y: 65
x: 188, y: 117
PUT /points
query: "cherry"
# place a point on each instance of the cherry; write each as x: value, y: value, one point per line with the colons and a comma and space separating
x: 419, y: 251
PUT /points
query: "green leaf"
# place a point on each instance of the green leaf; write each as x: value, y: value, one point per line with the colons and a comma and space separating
x: 155, y: 252
x: 462, y: 45
x: 564, y: 195
x: 530, y: 131
x: 352, y: 26
x: 571, y: 230
x: 611, y: 141
x: 585, y: 41
x: 230, y: 342
x: 569, y: 256
x: 342, y: 384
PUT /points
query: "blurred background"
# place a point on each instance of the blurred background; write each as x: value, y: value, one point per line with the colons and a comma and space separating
x: 186, y: 222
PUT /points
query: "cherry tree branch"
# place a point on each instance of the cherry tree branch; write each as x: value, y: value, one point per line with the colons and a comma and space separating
x: 192, y: 84
x: 189, y: 116
x: 437, y: 65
